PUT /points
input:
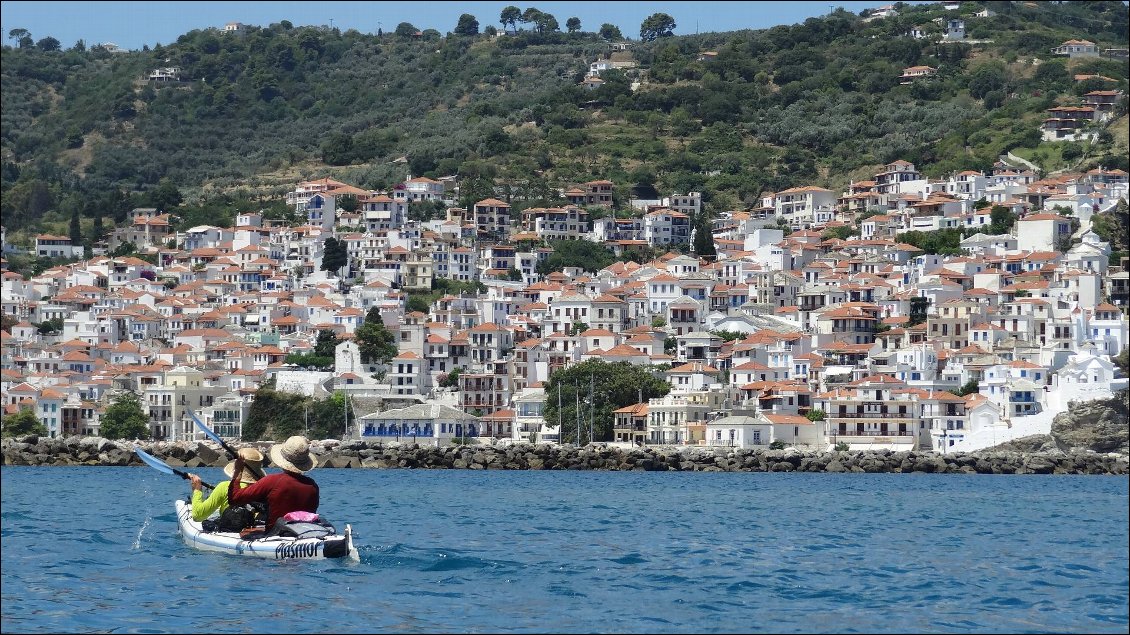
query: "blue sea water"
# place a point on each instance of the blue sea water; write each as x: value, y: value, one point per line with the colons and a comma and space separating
x: 90, y: 549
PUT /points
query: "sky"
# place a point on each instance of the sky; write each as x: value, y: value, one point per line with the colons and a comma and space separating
x: 133, y: 24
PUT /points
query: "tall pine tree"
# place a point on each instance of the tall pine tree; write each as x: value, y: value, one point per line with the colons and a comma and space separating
x: 334, y: 255
x: 703, y: 238
x: 76, y: 227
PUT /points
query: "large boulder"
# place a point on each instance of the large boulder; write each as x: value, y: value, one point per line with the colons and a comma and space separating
x: 209, y: 455
x: 1102, y: 425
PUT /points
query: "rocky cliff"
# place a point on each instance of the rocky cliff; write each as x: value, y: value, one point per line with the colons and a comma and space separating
x: 1102, y: 425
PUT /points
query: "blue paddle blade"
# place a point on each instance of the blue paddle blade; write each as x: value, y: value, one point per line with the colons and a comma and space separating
x: 208, y: 431
x: 153, y: 461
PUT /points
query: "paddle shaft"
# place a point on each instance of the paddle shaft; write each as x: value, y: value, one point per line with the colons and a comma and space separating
x: 186, y: 477
x: 161, y: 466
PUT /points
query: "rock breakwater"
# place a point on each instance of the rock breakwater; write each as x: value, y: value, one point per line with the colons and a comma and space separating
x: 71, y: 451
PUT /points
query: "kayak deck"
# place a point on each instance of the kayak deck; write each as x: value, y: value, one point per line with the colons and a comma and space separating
x: 272, y: 547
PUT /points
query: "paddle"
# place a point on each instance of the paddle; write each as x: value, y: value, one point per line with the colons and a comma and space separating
x: 256, y: 471
x: 161, y: 466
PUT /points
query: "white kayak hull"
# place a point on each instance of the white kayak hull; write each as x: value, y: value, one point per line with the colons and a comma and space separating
x: 271, y: 548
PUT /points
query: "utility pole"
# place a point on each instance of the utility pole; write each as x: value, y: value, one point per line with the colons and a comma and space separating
x: 577, y: 409
x: 592, y: 404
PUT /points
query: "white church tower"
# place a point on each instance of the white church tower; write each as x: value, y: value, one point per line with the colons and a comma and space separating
x: 347, y: 359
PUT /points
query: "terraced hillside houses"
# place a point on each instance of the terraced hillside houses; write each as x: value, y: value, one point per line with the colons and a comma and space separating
x: 815, y: 323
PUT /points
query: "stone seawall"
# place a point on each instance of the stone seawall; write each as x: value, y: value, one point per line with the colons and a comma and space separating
x: 362, y: 454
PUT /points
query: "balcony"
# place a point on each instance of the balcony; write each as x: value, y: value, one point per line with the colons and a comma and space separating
x: 844, y: 432
x: 873, y: 416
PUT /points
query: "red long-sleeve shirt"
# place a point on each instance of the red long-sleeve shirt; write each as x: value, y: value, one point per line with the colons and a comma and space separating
x: 284, y: 492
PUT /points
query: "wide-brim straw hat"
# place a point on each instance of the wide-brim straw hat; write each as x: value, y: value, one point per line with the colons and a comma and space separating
x: 253, y: 463
x: 293, y: 455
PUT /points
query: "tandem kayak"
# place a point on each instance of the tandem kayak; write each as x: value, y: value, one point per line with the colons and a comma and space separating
x: 271, y: 547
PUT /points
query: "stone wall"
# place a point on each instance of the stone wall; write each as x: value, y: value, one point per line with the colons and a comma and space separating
x: 33, y: 450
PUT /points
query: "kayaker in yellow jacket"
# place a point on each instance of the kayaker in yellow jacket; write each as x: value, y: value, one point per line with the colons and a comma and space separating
x: 217, y: 502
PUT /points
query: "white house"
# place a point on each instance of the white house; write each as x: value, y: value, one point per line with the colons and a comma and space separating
x: 739, y: 432
x: 1088, y: 374
x: 1041, y: 232
x: 51, y: 246
x: 1077, y: 48
x: 955, y: 30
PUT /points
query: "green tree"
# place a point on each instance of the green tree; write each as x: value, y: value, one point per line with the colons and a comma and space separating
x: 310, y: 360
x: 326, y: 343
x: 704, y: 239
x: 548, y: 23
x: 348, y: 203
x: 657, y: 25
x: 510, y: 16
x: 49, y: 327
x: 166, y: 196
x: 334, y: 255
x: 842, y: 232
x: 23, y: 423
x: 543, y: 22
x: 337, y: 149
x: 573, y: 24
x: 946, y: 242
x: 274, y: 415
x: 467, y: 25
x: 22, y: 38
x: 328, y: 417
x: 918, y: 307
x: 1052, y: 75
x: 97, y: 232
x: 587, y: 255
x: 16, y: 35
x: 969, y: 388
x: 475, y: 189
x: 530, y: 16
x: 376, y: 343
x: 75, y: 232
x: 125, y: 419
x: 610, y: 32
x: 1001, y: 220
x: 816, y: 415
x: 406, y: 30
x: 451, y: 379
x: 48, y: 44
x: 417, y: 302
x: 986, y: 78
x: 602, y: 388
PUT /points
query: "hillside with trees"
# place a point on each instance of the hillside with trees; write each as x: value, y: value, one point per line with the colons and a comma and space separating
x: 85, y: 135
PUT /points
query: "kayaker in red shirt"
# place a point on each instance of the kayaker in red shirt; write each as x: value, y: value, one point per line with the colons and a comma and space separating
x: 284, y: 492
